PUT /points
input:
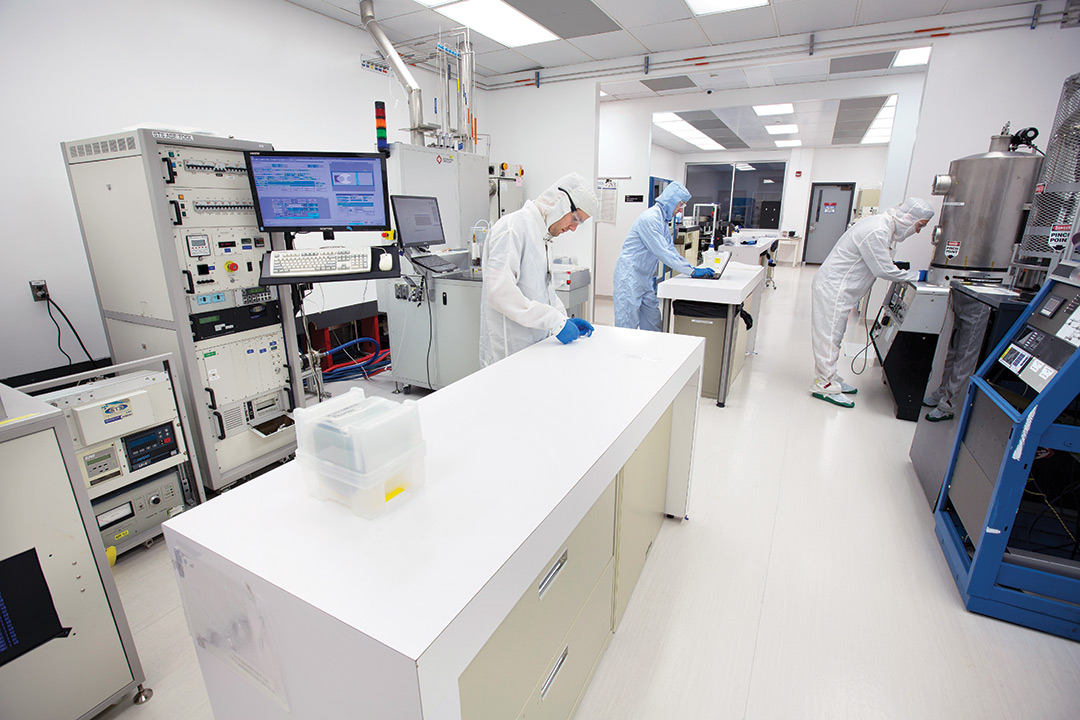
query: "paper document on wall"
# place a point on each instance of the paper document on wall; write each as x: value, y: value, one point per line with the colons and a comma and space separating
x: 608, y: 193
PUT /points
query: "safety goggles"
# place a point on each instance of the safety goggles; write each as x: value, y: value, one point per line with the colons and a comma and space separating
x: 573, y: 208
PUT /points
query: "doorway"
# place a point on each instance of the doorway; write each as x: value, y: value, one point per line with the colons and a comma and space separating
x: 830, y: 213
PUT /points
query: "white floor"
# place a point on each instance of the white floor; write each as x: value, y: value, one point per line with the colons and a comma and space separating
x: 807, y: 583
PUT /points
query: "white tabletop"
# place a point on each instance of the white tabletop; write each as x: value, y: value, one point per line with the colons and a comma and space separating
x: 750, y: 254
x: 734, y: 286
x: 505, y: 446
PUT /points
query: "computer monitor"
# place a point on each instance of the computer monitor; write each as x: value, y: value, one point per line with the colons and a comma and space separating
x: 311, y: 191
x: 418, y: 221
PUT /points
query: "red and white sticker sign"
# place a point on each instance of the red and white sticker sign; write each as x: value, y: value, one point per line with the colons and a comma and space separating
x: 952, y: 248
x: 1059, y: 237
x: 830, y: 207
x: 1040, y: 188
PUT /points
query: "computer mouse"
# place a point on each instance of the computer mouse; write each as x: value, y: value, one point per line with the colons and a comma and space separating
x: 386, y: 262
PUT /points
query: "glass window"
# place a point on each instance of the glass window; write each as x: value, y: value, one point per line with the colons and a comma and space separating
x: 747, y: 194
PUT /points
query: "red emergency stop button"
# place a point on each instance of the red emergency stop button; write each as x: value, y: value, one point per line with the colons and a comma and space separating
x: 231, y: 267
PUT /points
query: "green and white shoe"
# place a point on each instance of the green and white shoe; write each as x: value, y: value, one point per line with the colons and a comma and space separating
x: 832, y: 393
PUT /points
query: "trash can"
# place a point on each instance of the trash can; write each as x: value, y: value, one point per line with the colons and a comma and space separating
x: 709, y: 321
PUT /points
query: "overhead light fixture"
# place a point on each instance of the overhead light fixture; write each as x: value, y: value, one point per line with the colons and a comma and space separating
x: 878, y: 140
x: 767, y: 181
x: 788, y: 143
x: 778, y: 109
x: 912, y: 56
x: 880, y: 130
x: 708, y: 7
x: 434, y: 3
x: 891, y: 102
x: 498, y: 21
x: 782, y: 129
x: 708, y: 144
x: 743, y: 166
x: 658, y: 118
x: 603, y: 94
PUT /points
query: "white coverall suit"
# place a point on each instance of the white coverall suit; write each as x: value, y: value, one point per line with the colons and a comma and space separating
x: 649, y: 241
x: 518, y: 304
x: 860, y: 256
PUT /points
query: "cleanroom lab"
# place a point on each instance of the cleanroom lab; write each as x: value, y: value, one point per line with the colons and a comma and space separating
x: 493, y: 359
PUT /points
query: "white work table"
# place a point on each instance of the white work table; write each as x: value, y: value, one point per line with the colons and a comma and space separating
x: 379, y: 618
x: 731, y: 289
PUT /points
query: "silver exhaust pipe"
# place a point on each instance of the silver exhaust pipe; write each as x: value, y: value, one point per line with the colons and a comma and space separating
x: 401, y: 70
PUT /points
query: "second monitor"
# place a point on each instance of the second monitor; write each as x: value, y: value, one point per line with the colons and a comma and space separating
x: 418, y: 221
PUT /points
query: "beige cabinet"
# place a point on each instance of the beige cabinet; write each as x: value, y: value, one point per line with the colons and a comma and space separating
x: 642, y: 486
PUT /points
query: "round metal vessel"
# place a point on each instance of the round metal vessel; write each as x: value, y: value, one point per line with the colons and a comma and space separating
x: 986, y: 199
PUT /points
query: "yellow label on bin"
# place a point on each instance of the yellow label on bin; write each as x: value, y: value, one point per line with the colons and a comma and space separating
x: 394, y: 493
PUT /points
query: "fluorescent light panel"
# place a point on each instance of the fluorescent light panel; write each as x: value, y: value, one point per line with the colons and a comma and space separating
x: 767, y: 181
x: 708, y: 144
x: 778, y: 109
x: 434, y: 3
x: 912, y: 56
x: 891, y: 102
x: 743, y: 166
x: 498, y: 21
x: 658, y: 118
x: 788, y: 143
x: 708, y: 7
x: 782, y: 129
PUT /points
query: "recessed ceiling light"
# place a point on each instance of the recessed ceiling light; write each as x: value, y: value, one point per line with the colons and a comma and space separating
x: 434, y: 3
x: 665, y: 117
x: 708, y: 144
x: 788, y: 143
x: 743, y: 166
x: 498, y: 21
x: 782, y: 129
x: 707, y: 7
x: 767, y: 181
x: 912, y: 56
x: 874, y: 140
x: 778, y: 109
x: 891, y: 102
x: 603, y: 94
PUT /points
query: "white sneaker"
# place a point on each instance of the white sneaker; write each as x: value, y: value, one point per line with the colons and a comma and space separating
x: 831, y: 393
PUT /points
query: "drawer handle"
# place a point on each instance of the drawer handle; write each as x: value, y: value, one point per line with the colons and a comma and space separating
x: 553, y: 573
x: 554, y: 672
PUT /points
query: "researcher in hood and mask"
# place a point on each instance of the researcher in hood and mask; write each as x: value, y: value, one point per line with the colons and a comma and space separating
x: 860, y: 256
x: 518, y: 304
x: 650, y: 241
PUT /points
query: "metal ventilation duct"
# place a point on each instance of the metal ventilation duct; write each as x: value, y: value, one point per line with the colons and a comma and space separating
x: 401, y: 70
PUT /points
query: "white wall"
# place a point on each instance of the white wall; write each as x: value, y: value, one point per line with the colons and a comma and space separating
x: 550, y: 131
x: 664, y: 163
x: 258, y: 70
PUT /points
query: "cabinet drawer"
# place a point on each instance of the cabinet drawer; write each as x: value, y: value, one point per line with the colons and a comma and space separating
x: 498, y: 681
x: 568, y: 672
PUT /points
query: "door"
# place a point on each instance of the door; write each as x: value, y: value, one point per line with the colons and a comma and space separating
x: 830, y: 211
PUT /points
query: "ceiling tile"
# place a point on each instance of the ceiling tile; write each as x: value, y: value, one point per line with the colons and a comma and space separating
x: 861, y: 63
x: 554, y: 53
x: 566, y: 18
x: 609, y: 45
x: 669, y: 83
x: 350, y: 15
x: 750, y: 24
x: 383, y: 8
x: 418, y: 24
x: 505, y: 61
x: 962, y: 5
x: 721, y: 80
x: 671, y: 36
x: 758, y: 76
x: 626, y: 88
x: 800, y: 69
x: 875, y: 11
x: 810, y: 16
x: 635, y: 13
x: 697, y: 115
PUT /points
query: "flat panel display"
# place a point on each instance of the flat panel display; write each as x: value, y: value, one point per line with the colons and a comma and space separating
x: 310, y: 191
x: 418, y: 221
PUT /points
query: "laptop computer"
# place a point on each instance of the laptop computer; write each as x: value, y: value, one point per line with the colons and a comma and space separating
x: 718, y: 265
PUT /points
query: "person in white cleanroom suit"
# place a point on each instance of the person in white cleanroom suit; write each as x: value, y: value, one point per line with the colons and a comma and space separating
x: 861, y: 255
x: 649, y: 241
x: 518, y: 305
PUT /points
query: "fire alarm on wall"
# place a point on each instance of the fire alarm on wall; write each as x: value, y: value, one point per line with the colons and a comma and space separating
x: 798, y: 173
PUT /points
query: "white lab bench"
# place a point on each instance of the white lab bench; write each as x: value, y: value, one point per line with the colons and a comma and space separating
x: 732, y: 289
x: 494, y: 590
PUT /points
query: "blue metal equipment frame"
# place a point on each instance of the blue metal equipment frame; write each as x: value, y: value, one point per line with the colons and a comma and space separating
x: 988, y: 583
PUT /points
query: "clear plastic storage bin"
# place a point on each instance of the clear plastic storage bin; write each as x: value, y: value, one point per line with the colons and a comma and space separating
x: 366, y: 453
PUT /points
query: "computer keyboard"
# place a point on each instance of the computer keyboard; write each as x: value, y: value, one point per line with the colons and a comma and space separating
x: 319, y: 261
x: 434, y: 263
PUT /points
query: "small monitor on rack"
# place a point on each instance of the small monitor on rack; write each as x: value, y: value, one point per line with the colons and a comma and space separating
x: 417, y: 219
x: 313, y: 191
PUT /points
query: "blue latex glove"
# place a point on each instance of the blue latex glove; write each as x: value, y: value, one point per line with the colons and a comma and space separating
x: 569, y: 333
x: 922, y: 276
x: 703, y: 273
x: 584, y: 327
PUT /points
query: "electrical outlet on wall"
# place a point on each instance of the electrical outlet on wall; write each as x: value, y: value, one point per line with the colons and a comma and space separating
x: 39, y: 290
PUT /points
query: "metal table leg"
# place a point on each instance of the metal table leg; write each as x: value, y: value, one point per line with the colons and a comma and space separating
x: 665, y: 320
x: 725, y: 356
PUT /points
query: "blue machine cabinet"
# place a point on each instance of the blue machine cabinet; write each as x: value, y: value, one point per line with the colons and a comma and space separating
x: 1008, y: 514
